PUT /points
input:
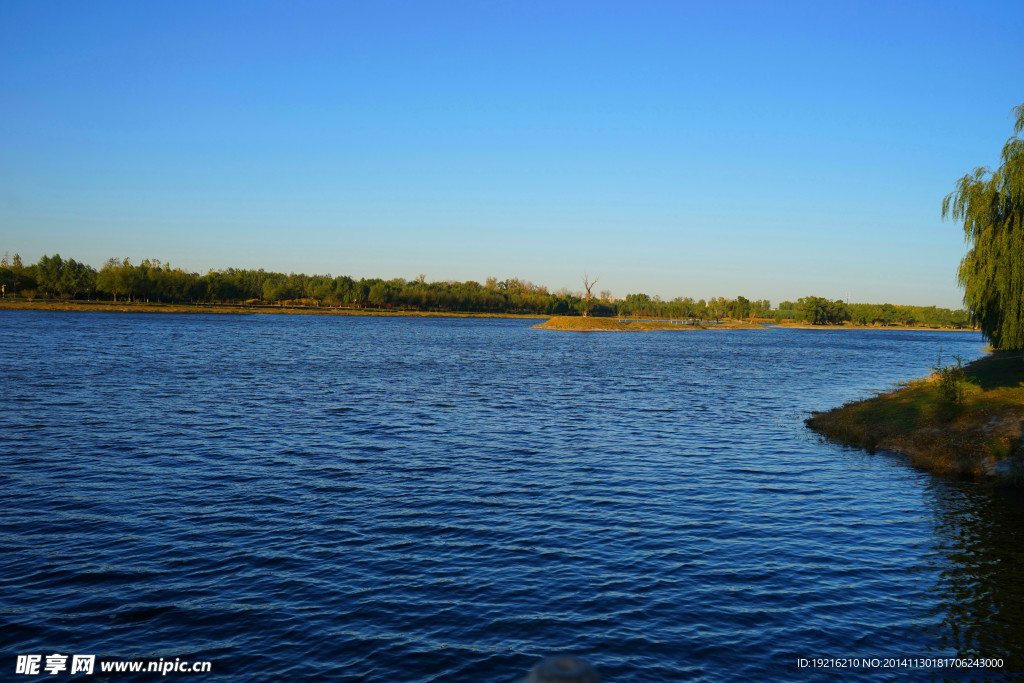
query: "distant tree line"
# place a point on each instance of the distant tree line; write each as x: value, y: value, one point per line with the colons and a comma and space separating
x: 154, y: 281
x: 818, y: 311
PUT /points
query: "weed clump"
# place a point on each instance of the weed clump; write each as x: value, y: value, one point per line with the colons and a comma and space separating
x: 951, y: 382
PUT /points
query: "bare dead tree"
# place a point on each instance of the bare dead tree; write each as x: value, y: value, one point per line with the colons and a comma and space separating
x: 588, y: 284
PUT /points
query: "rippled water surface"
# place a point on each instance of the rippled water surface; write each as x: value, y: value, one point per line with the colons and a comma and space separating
x: 304, y: 497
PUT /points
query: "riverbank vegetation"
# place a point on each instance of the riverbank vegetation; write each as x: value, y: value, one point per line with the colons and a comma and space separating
x: 55, y: 281
x: 963, y: 420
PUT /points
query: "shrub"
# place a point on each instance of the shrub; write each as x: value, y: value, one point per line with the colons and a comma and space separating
x: 952, y: 381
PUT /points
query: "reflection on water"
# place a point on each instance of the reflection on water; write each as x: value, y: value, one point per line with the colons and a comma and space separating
x: 979, y: 557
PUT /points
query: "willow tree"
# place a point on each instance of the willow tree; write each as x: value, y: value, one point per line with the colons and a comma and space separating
x: 991, y: 206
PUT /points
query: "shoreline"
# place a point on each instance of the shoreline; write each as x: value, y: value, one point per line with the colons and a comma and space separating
x: 594, y: 324
x: 967, y: 425
x: 241, y: 309
x: 563, y: 323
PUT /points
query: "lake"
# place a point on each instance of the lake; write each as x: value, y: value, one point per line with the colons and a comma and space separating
x: 435, y: 499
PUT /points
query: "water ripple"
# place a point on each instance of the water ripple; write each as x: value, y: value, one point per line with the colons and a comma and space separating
x: 448, y: 500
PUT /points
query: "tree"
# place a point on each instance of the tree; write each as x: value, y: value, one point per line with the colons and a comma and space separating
x: 717, y: 307
x: 14, y: 275
x: 819, y: 311
x: 380, y: 294
x: 277, y: 288
x: 49, y: 271
x: 739, y: 308
x: 588, y: 284
x: 76, y: 278
x: 991, y: 207
x: 115, y: 277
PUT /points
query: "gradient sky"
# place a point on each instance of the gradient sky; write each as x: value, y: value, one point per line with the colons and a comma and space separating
x: 771, y: 150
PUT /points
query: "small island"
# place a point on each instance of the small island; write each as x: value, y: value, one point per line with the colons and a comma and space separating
x: 568, y: 323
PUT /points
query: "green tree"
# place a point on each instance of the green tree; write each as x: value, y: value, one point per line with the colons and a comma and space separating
x: 380, y: 294
x: 14, y: 276
x: 76, y: 278
x: 991, y: 207
x: 49, y: 271
x: 739, y: 308
x: 277, y: 288
x: 115, y: 278
x: 819, y: 311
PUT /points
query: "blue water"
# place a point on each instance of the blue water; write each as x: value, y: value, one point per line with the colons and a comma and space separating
x: 363, y: 499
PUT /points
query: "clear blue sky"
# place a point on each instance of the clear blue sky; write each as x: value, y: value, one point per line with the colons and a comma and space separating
x: 773, y: 150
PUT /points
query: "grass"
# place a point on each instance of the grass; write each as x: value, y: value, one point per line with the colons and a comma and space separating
x: 963, y: 422
x: 581, y: 324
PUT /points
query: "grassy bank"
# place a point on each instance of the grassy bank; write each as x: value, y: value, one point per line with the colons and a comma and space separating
x: 581, y: 324
x: 963, y: 423
x: 237, y: 309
